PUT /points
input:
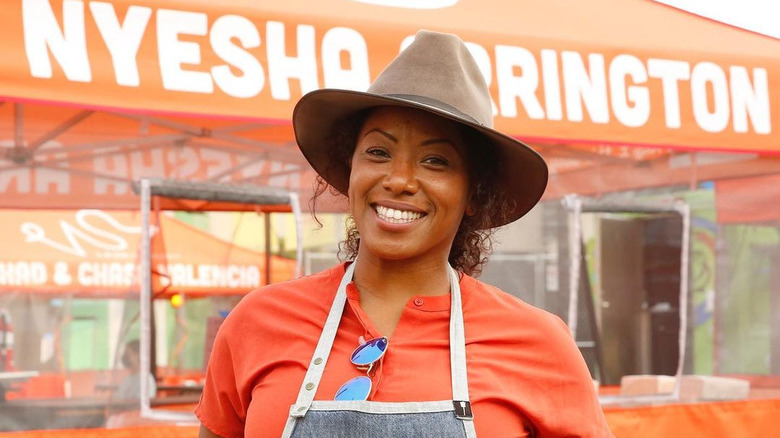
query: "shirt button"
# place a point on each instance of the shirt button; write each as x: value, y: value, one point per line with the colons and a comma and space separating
x: 418, y: 301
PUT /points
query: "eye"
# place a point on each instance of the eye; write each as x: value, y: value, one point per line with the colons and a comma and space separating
x: 436, y: 160
x: 377, y: 152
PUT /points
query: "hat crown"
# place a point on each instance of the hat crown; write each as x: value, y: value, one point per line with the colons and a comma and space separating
x: 438, y: 70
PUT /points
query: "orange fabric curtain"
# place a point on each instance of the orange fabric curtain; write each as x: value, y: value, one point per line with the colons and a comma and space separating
x: 125, y: 432
x: 724, y: 419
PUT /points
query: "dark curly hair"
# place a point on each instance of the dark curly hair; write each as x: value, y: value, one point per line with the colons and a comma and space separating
x: 473, y: 241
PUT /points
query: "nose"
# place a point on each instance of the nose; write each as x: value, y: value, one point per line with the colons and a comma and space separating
x: 401, y: 178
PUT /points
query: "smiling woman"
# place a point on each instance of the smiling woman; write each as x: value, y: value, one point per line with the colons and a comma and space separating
x: 409, y: 186
x: 427, y: 179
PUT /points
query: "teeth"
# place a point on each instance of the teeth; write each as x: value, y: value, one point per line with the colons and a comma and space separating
x: 397, y: 216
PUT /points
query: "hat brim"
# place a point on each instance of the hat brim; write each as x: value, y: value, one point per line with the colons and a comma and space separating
x: 522, y: 171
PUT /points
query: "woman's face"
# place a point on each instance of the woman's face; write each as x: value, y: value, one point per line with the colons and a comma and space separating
x: 409, y: 184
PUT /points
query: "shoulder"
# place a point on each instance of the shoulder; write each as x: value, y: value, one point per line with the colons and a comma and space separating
x: 491, y: 309
x: 541, y: 371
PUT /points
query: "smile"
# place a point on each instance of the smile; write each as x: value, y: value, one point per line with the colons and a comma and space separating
x: 394, y: 216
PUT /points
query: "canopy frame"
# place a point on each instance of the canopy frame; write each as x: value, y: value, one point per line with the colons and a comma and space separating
x: 244, y: 194
x: 576, y: 206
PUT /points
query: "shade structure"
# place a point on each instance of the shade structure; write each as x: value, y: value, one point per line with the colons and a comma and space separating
x: 98, y: 94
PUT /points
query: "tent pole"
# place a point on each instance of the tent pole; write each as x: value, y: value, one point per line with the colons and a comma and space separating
x: 54, y: 133
x: 146, y: 294
x: 18, y: 125
x: 295, y: 203
x: 267, y: 226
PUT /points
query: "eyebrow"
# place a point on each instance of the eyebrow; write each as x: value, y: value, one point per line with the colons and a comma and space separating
x: 425, y: 143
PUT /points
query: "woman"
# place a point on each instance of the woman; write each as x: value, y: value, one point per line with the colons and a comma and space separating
x: 445, y: 355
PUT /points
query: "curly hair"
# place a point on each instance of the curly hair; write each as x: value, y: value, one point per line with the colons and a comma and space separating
x: 473, y: 241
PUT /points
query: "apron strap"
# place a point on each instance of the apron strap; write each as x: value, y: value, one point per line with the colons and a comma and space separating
x: 317, y: 365
x: 460, y: 385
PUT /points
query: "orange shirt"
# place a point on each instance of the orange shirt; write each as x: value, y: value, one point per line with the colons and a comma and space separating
x: 525, y: 374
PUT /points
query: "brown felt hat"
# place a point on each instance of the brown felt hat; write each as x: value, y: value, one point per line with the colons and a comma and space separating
x: 436, y: 73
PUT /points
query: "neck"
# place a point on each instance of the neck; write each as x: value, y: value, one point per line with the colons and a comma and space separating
x: 400, y: 279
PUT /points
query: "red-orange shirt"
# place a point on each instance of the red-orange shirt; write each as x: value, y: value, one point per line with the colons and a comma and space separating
x: 525, y: 374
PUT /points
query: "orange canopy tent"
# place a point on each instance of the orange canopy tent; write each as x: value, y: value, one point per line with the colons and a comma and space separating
x: 97, y: 94
x: 95, y: 253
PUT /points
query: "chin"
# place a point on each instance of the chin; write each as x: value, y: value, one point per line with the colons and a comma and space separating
x: 392, y: 251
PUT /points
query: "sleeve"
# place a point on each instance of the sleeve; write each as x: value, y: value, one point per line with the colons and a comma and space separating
x: 572, y: 407
x: 222, y: 408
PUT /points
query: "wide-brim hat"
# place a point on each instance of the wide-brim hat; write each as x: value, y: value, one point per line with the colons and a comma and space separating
x: 435, y: 73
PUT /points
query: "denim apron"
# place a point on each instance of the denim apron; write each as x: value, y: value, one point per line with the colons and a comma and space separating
x: 366, y: 419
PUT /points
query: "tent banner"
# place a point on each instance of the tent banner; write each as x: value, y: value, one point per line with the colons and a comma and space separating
x: 744, y: 200
x: 253, y: 60
x: 67, y: 176
x: 94, y: 252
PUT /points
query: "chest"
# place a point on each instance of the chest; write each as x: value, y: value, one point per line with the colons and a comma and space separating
x: 416, y: 367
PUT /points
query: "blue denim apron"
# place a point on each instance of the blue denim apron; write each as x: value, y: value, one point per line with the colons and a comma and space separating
x: 366, y: 419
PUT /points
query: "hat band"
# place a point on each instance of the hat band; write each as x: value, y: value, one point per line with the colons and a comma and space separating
x: 435, y: 104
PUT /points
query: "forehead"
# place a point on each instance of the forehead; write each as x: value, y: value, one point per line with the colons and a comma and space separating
x: 421, y: 122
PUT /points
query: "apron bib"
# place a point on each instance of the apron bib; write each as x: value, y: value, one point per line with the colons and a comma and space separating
x: 366, y: 419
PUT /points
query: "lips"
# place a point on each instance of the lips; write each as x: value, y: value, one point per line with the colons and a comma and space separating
x: 396, y: 216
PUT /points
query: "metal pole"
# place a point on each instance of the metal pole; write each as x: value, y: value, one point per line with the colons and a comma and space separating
x: 685, y: 211
x: 574, y: 205
x: 146, y: 295
x: 18, y: 125
x: 295, y: 204
x: 267, y: 227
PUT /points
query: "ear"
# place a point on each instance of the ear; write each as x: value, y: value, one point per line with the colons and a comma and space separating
x: 470, y: 209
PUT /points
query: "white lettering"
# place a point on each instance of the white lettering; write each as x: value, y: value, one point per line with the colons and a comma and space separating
x: 85, y: 231
x: 23, y: 273
x: 211, y: 276
x: 282, y: 68
x: 706, y: 74
x: 750, y: 100
x: 252, y: 79
x: 59, y: 177
x: 105, y: 274
x: 147, y: 163
x: 114, y: 165
x: 552, y: 85
x: 68, y: 46
x: 283, y: 175
x: 670, y: 72
x: 252, y: 170
x: 582, y: 86
x: 184, y: 161
x: 173, y: 52
x: 122, y: 40
x: 215, y: 162
x: 511, y: 87
x: 349, y: 41
x: 18, y: 178
x: 631, y: 104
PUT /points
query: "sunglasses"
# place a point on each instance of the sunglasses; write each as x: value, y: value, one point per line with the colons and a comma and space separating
x: 365, y: 357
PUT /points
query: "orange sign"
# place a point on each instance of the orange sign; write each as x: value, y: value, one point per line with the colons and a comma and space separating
x: 96, y: 252
x: 591, y: 71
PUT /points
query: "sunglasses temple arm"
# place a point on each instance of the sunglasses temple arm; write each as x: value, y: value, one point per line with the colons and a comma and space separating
x: 372, y: 369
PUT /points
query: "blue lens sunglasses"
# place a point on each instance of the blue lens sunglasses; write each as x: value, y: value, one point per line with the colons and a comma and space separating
x: 365, y: 357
